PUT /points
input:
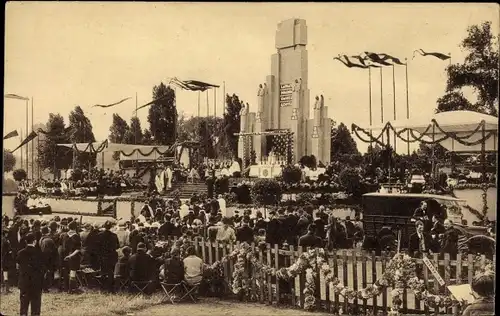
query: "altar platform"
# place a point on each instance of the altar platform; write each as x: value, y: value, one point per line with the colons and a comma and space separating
x: 265, y: 171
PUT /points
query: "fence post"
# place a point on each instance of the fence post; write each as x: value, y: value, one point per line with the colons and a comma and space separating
x: 277, y: 266
x: 447, y: 272
x: 292, y: 260
x: 261, y: 276
x: 269, y: 278
x: 426, y: 282
x: 374, y: 278
x: 301, y: 283
x: 345, y: 278
x: 436, y: 283
x: 384, y: 293
x: 363, y: 277
x: 355, y: 277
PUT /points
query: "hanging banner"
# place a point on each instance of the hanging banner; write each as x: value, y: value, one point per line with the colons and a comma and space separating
x: 434, y: 271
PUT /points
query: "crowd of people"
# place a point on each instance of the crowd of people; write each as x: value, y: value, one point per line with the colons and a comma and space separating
x: 35, y: 251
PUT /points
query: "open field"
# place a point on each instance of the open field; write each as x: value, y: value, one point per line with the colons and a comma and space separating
x: 96, y: 304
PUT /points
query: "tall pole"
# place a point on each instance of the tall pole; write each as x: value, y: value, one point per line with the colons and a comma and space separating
x: 27, y: 155
x: 208, y: 108
x: 407, y: 106
x: 215, y: 102
x: 223, y: 97
x: 199, y: 103
x: 135, y: 132
x: 370, y: 100
x: 22, y: 161
x: 32, y: 144
x: 394, y: 100
x: 381, y: 100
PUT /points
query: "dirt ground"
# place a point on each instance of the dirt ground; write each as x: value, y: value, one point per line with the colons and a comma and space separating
x: 223, y: 308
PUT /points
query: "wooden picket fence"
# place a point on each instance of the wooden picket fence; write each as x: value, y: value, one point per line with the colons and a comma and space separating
x: 355, y: 268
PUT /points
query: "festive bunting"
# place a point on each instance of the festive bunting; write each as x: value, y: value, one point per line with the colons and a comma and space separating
x: 345, y: 60
x: 435, y: 54
x: 15, y: 96
x: 30, y: 137
x: 11, y: 134
x: 378, y: 58
x: 112, y: 104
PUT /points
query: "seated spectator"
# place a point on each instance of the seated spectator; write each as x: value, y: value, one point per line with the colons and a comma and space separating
x: 193, y: 267
x: 483, y: 290
x: 122, y: 267
x: 173, y: 269
x: 140, y: 264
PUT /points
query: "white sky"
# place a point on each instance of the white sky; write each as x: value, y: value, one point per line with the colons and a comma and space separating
x: 68, y: 54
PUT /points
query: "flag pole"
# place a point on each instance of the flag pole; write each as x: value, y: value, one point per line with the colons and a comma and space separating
x: 32, y: 144
x: 22, y: 149
x: 27, y: 155
x: 223, y: 97
x: 215, y: 102
x: 198, y: 103
x: 381, y: 101
x: 135, y: 134
x: 394, y: 100
x: 407, y: 107
x: 370, y: 100
x: 208, y: 108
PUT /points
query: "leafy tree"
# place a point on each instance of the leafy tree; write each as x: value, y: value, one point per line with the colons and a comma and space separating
x: 19, y: 174
x: 162, y: 115
x: 479, y: 72
x: 342, y: 142
x: 118, y: 129
x: 9, y: 161
x: 81, y: 132
x: 454, y: 101
x: 232, y: 122
x: 147, y: 138
x: 134, y: 134
x: 51, y: 156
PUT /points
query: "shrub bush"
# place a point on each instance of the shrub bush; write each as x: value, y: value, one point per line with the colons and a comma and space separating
x: 267, y: 192
x: 291, y: 174
x: 19, y: 174
x: 350, y: 181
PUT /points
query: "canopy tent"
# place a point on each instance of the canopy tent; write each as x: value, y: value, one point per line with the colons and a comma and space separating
x: 457, y: 131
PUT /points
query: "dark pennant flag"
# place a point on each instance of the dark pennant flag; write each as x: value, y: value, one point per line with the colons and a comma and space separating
x: 435, y: 54
x: 11, y: 134
x: 28, y: 139
x: 112, y: 104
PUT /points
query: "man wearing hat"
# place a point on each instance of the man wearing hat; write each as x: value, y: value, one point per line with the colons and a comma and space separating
x: 31, y: 272
x: 273, y: 229
x: 108, y: 246
x: 310, y: 240
x: 141, y: 264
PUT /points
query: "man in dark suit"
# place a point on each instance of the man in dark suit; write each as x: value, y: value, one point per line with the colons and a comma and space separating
x: 291, y: 227
x: 70, y: 256
x: 420, y: 242
x: 141, y: 266
x: 108, y: 244
x: 311, y: 240
x: 49, y: 251
x: 449, y: 239
x: 166, y: 228
x: 273, y: 230
x: 244, y: 233
x: 422, y: 213
x: 31, y: 273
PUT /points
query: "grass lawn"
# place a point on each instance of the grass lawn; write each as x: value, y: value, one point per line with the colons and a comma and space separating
x: 96, y: 304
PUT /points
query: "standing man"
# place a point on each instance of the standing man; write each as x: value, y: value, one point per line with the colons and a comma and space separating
x: 108, y: 244
x: 31, y: 273
x: 310, y: 240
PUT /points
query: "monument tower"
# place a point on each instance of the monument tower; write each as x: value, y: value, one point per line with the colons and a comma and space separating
x: 283, y: 101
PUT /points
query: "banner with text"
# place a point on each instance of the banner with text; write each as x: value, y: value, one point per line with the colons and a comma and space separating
x: 286, y: 90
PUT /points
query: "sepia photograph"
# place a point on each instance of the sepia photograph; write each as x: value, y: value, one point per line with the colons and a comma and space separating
x: 266, y: 158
